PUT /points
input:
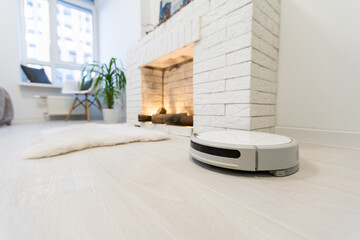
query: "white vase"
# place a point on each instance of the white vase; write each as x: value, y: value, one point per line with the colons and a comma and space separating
x: 111, y: 115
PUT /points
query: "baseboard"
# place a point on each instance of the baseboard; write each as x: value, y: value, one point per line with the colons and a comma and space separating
x: 324, y: 137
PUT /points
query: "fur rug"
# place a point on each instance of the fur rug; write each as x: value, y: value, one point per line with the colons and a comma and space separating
x: 77, y: 137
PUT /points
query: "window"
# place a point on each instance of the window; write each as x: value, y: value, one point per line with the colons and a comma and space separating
x: 37, y: 37
x: 58, y: 35
x: 71, y: 35
x: 63, y: 73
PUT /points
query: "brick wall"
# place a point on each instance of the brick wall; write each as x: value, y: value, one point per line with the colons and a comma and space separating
x: 151, y: 90
x: 235, y: 62
x: 265, y: 48
x: 178, y: 88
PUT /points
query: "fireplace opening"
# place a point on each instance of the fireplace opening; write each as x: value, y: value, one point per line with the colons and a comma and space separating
x: 167, y: 89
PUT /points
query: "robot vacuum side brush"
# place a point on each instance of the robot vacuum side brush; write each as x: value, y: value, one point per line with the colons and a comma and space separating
x: 248, y: 151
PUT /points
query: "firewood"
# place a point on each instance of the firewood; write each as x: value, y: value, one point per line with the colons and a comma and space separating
x: 187, y: 121
x: 159, y: 118
x: 161, y: 110
x: 144, y: 118
x: 179, y: 119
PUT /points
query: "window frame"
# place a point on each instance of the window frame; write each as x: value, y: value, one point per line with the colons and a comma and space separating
x: 55, y: 61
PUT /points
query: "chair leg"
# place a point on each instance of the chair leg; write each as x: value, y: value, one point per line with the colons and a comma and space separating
x: 98, y: 103
x: 87, y: 107
x: 71, y: 109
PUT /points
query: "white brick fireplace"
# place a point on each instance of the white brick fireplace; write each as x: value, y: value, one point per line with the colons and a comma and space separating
x: 235, y: 54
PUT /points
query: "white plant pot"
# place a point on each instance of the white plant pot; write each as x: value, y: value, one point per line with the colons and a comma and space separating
x: 111, y: 115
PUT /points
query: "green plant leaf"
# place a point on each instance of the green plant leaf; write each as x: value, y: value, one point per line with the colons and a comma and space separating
x: 110, y: 80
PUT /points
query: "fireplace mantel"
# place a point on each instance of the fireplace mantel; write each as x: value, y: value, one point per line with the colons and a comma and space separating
x: 180, y: 30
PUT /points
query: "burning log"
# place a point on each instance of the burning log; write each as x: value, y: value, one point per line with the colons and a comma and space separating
x: 159, y: 118
x: 144, y: 118
x: 180, y: 120
x: 161, y: 111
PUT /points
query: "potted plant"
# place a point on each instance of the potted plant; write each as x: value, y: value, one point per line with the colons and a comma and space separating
x: 110, y: 83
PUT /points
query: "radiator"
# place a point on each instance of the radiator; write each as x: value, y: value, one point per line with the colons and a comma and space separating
x: 60, y: 105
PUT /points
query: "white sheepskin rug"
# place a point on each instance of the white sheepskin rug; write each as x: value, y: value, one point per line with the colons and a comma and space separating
x: 77, y: 137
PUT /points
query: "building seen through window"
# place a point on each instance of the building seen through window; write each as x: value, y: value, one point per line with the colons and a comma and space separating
x: 72, y: 28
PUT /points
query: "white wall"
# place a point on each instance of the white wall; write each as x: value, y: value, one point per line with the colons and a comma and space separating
x: 119, y: 29
x: 319, y: 71
x: 150, y: 10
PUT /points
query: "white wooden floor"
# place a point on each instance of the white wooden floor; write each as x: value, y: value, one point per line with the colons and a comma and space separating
x: 153, y: 191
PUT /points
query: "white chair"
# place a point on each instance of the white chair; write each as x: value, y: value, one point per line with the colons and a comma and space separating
x: 73, y: 87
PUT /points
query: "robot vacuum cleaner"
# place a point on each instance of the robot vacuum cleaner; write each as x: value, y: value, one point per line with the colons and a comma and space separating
x: 248, y: 151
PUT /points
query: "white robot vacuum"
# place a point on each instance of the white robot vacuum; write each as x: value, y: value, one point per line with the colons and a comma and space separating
x: 248, y: 151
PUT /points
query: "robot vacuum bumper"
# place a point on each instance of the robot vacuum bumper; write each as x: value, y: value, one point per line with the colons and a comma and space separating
x: 248, y: 151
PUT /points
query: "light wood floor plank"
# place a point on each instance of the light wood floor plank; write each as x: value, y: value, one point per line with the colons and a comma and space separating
x: 154, y: 191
